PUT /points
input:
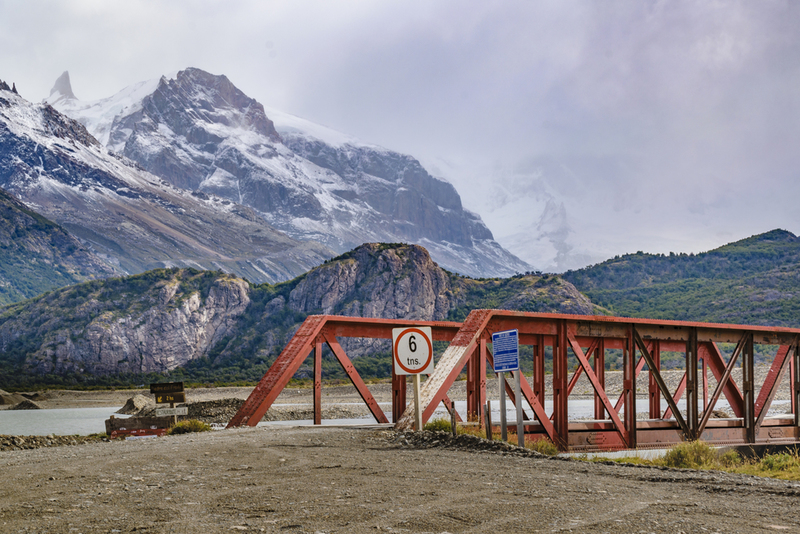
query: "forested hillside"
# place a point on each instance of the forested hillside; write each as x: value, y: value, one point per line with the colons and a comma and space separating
x: 207, y: 326
x: 752, y: 281
x: 37, y: 255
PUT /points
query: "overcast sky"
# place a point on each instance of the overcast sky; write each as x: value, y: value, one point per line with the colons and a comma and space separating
x: 585, y: 128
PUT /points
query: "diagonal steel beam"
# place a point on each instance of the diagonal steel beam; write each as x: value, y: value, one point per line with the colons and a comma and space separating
x: 279, y: 374
x: 577, y: 374
x: 716, y: 363
x: 587, y: 368
x: 656, y: 374
x: 771, y: 383
x: 677, y: 396
x: 721, y: 383
x: 448, y: 367
x: 533, y: 402
x: 355, y: 378
x: 636, y: 373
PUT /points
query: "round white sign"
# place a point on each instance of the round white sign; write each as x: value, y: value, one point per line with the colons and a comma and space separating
x: 412, y: 350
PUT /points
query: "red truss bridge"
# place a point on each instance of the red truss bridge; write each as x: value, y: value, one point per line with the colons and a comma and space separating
x: 704, y: 347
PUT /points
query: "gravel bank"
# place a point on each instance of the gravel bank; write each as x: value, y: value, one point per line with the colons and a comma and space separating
x: 330, y: 480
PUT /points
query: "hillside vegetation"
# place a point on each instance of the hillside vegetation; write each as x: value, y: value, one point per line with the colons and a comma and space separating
x: 37, y: 255
x: 209, y: 327
x: 753, y: 281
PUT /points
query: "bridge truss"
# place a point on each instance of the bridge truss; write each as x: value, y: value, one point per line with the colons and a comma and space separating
x: 585, y: 340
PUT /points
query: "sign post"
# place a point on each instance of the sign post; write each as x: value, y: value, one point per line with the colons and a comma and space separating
x: 412, y: 352
x: 170, y: 392
x: 505, y: 346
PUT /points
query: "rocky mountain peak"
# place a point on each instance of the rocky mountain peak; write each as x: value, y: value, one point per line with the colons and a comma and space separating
x: 198, y: 132
x: 396, y: 281
x: 63, y: 87
x: 133, y: 219
x: 212, y: 99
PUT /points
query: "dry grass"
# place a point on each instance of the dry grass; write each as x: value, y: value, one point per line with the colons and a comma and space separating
x: 700, y: 455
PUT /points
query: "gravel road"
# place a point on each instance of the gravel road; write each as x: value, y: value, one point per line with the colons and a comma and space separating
x: 304, y: 479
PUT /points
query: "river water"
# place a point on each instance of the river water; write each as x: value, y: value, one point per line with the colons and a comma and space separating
x: 83, y: 421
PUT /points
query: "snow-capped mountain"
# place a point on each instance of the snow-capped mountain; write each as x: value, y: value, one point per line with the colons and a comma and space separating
x: 200, y: 133
x: 133, y: 219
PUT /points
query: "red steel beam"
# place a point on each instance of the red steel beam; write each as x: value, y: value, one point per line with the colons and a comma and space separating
x: 598, y: 389
x: 318, y: 381
x: 355, y: 378
x: 771, y: 383
x: 398, y: 395
x: 697, y: 340
x: 636, y: 373
x: 450, y: 365
x: 721, y: 385
x: 600, y: 371
x: 676, y: 396
x: 712, y: 354
x: 653, y: 389
x: 302, y: 343
x: 279, y: 374
x: 655, y: 373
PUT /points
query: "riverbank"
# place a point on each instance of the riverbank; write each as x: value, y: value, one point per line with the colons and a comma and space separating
x: 347, y: 394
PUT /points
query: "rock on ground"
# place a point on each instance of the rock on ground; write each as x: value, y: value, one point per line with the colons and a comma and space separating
x: 27, y: 404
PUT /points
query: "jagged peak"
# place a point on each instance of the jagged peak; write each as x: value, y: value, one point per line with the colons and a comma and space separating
x: 63, y: 86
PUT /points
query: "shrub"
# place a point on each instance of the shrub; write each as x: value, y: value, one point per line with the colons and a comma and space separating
x: 543, y: 446
x: 192, y: 425
x: 438, y: 424
x: 783, y: 461
x: 690, y: 455
x: 731, y: 458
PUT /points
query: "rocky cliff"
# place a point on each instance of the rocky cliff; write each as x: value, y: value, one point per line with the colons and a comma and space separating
x: 221, y: 326
x: 153, y: 322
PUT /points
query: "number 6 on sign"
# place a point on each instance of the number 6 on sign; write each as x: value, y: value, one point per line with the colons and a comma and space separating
x: 412, y: 350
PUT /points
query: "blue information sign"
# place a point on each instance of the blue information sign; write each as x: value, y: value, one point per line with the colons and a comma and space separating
x: 505, y: 346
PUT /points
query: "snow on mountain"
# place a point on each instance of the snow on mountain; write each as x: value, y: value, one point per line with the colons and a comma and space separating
x: 200, y: 133
x: 133, y: 219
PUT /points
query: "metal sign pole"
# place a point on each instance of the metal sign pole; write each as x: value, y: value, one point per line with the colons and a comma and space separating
x: 417, y: 405
x: 518, y: 397
x: 503, y: 423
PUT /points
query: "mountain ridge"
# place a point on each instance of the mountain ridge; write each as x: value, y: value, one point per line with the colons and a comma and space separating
x: 38, y: 255
x: 755, y: 280
x: 199, y: 132
x: 216, y: 326
x: 134, y: 220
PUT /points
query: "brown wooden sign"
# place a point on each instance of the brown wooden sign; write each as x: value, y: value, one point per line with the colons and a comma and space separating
x: 167, y: 387
x: 168, y: 398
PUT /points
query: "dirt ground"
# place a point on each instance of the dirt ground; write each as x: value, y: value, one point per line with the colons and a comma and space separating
x: 305, y: 479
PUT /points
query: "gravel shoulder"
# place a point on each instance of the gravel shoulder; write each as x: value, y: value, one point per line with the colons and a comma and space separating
x: 305, y: 479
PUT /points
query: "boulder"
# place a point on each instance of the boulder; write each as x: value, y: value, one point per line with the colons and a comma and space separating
x: 26, y: 405
x: 135, y: 404
x: 10, y: 399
